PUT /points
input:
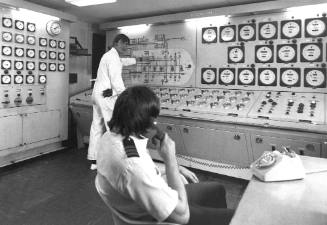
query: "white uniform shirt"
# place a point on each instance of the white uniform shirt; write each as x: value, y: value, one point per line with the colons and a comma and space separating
x: 139, y: 189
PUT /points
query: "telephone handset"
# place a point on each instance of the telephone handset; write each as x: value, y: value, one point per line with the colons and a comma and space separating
x: 159, y: 135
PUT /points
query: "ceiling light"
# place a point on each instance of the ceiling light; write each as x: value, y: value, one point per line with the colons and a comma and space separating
x: 135, y: 28
x: 81, y: 3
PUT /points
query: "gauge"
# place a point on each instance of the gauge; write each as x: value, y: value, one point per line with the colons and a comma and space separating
x: 208, y: 76
x: 30, y: 53
x: 286, y: 53
x: 264, y: 53
x: 246, y: 32
x: 5, y: 64
x: 30, y: 79
x: 19, y: 25
x: 311, y: 52
x: 19, y: 52
x: 236, y: 54
x: 209, y: 35
x: 31, y: 27
x: 43, y: 42
x: 6, y: 22
x: 6, y: 50
x: 315, y: 28
x: 315, y: 77
x: 61, y: 67
x: 18, y: 79
x: 53, y: 27
x: 31, y: 40
x: 7, y: 36
x: 52, y: 66
x: 42, y: 66
x: 53, y: 43
x: 42, y: 79
x: 52, y: 55
x: 268, y: 30
x: 30, y: 65
x: 267, y: 77
x: 290, y: 77
x: 246, y: 76
x: 227, y: 76
x: 62, y: 44
x: 18, y: 65
x: 291, y: 29
x: 61, y: 56
x: 5, y: 79
x: 42, y: 54
x: 19, y: 38
x: 227, y: 33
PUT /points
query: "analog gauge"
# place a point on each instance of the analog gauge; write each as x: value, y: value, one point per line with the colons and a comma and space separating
x: 30, y: 65
x: 61, y: 67
x: 246, y: 32
x: 42, y: 66
x: 18, y: 65
x: 42, y: 79
x: 52, y: 55
x: 311, y: 53
x: 315, y: 27
x: 19, y: 38
x: 62, y: 44
x: 267, y: 77
x: 246, y: 76
x: 19, y: 25
x: 53, y: 43
x: 31, y: 40
x: 286, y: 53
x: 7, y: 36
x: 43, y: 42
x: 236, y: 54
x: 209, y: 35
x: 268, y: 31
x: 6, y: 50
x: 43, y: 54
x: 18, y: 79
x: 30, y: 53
x: 61, y: 56
x: 5, y: 64
x: 315, y: 78
x: 290, y: 77
x: 291, y: 29
x: 264, y: 54
x: 52, y: 66
x: 54, y: 28
x: 5, y: 79
x: 227, y: 33
x: 19, y: 52
x: 208, y: 75
x: 31, y: 27
x: 6, y: 22
x: 30, y: 79
x: 226, y: 76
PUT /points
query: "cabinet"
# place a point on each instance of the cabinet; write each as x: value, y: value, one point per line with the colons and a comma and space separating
x: 11, y: 131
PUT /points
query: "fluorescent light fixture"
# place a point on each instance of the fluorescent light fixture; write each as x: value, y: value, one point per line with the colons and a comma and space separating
x: 135, y: 28
x: 302, y: 11
x: 205, y: 20
x: 32, y: 15
x: 81, y: 3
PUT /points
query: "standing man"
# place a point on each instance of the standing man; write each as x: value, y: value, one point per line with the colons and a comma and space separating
x: 109, y: 84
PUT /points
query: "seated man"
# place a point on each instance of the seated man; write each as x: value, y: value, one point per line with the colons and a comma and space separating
x: 132, y: 184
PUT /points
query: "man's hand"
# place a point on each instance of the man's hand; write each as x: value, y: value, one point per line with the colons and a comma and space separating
x: 189, y: 175
x: 167, y: 149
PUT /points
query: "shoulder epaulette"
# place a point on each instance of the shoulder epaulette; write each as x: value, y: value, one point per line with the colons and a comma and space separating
x: 130, y: 148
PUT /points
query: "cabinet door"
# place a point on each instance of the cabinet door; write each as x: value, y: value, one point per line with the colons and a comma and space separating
x: 10, y: 132
x: 41, y: 126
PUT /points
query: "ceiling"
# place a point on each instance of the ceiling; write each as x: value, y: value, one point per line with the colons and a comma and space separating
x: 132, y: 9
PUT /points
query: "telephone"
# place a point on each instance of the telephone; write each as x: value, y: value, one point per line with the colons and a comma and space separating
x: 278, y: 166
x: 159, y: 135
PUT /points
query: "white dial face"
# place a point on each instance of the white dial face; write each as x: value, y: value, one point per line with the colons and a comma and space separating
x: 53, y: 43
x: 247, y: 32
x: 286, y: 53
x: 316, y: 27
x: 30, y: 53
x: 208, y: 75
x: 209, y: 35
x: 268, y: 30
x: 52, y: 67
x: 7, y: 36
x: 61, y: 67
x: 53, y: 28
x: 31, y: 27
x: 18, y: 79
x: 291, y: 29
x: 31, y: 40
x: 236, y: 55
x: 19, y: 65
x: 61, y: 56
x: 6, y: 50
x: 62, y: 44
x: 227, y: 76
x: 42, y: 79
x: 42, y: 66
x: 19, y: 24
x: 30, y: 79
x: 7, y: 22
x: 267, y: 77
x: 19, y: 38
x: 19, y: 52
x: 43, y: 41
x: 30, y: 65
x: 52, y: 55
x: 246, y: 76
x: 264, y: 54
x: 5, y: 79
x: 290, y: 77
x: 6, y: 64
x: 315, y: 78
x: 43, y: 54
x: 311, y: 52
x: 227, y: 34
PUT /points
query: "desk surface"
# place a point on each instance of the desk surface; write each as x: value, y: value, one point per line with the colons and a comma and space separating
x: 299, y: 202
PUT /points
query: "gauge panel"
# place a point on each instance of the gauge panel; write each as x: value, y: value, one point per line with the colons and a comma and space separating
x: 30, y: 53
x: 208, y: 75
x: 19, y: 52
x: 315, y: 27
x: 52, y: 55
x: 52, y: 43
x: 290, y: 29
x: 19, y: 25
x: 246, y: 76
x: 18, y: 79
x: 52, y: 67
x: 267, y: 76
x: 311, y: 52
x: 30, y: 79
x: 227, y: 76
x: 43, y: 54
x: 290, y: 77
x: 286, y: 53
x: 42, y: 79
x: 227, y: 33
x: 43, y: 42
x: 31, y: 40
x: 209, y: 35
x: 6, y: 64
x: 247, y: 32
x: 31, y: 27
x: 6, y: 50
x: 61, y: 67
x: 42, y: 66
x: 6, y: 79
x: 236, y: 54
x: 30, y: 65
x: 61, y: 44
x: 18, y: 65
x: 6, y: 36
x: 315, y: 77
x: 19, y: 38
x: 264, y: 53
x: 7, y: 22
x: 61, y: 56
x: 268, y: 30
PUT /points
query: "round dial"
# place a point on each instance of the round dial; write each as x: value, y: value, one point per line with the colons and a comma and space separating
x: 19, y: 38
x: 19, y: 52
x: 31, y: 40
x: 54, y: 28
x: 52, y: 67
x: 53, y: 43
x: 7, y: 22
x: 227, y: 34
x: 264, y: 54
x: 30, y: 79
x: 7, y: 36
x: 19, y: 24
x: 246, y: 76
x: 286, y: 53
x: 5, y: 79
x: 316, y: 27
x: 209, y: 35
x: 315, y: 78
x: 19, y: 65
x: 42, y: 79
x: 30, y: 65
x: 208, y: 75
x: 227, y: 76
x: 31, y: 27
x: 236, y: 54
x: 18, y: 79
x: 61, y: 56
x: 43, y: 41
x: 268, y: 30
x: 62, y: 44
x: 290, y: 77
x: 247, y: 32
x: 6, y: 64
x: 6, y: 50
x: 43, y: 66
x: 43, y: 54
x: 52, y: 55
x: 267, y: 77
x: 61, y: 67
x: 291, y: 29
x: 311, y: 52
x: 30, y: 53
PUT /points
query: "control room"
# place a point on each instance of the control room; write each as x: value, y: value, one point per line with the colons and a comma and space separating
x: 121, y: 112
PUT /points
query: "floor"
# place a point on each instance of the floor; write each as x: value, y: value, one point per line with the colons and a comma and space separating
x: 58, y: 189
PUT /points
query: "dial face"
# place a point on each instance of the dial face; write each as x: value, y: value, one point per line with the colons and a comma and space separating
x: 6, y: 22
x: 18, y: 79
x: 291, y: 29
x: 30, y: 65
x: 31, y: 40
x: 52, y: 55
x: 61, y: 67
x: 268, y: 31
x: 315, y: 78
x: 30, y: 53
x: 6, y: 50
x: 290, y: 77
x: 286, y: 53
x: 42, y: 66
x: 43, y: 42
x: 247, y: 32
x: 31, y: 27
x: 19, y: 38
x: 52, y: 66
x: 246, y: 76
x: 30, y: 79
x: 61, y: 56
x: 267, y: 77
x: 19, y: 25
x: 311, y: 52
x: 208, y: 76
x: 264, y: 54
x: 209, y: 35
x: 316, y: 27
x: 43, y: 54
x: 5, y: 64
x: 18, y: 65
x: 227, y: 34
x: 54, y: 28
x: 7, y: 36
x: 5, y: 79
x: 19, y: 52
x: 62, y: 44
x: 236, y: 55
x: 52, y: 43
x: 42, y: 79
x: 227, y: 76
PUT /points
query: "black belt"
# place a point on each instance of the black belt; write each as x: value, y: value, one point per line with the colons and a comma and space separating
x: 107, y: 93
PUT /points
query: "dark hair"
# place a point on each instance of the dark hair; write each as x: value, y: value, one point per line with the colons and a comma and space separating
x: 134, y: 111
x: 119, y: 37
